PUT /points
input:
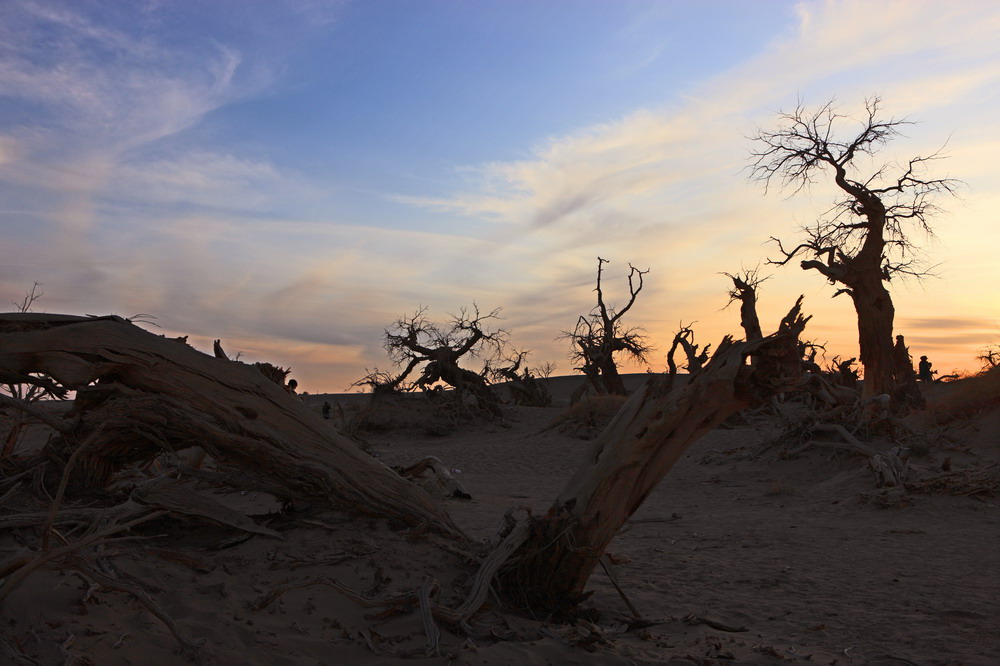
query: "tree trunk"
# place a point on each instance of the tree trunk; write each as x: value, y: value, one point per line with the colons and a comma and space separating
x: 611, y: 379
x: 875, y: 311
x: 647, y: 436
x: 748, y: 317
x: 139, y: 394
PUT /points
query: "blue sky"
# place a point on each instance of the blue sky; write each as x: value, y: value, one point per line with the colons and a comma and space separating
x: 291, y: 176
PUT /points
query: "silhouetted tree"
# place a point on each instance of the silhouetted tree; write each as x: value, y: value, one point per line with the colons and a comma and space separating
x: 600, y: 335
x: 414, y: 342
x: 684, y: 339
x: 522, y: 381
x: 864, y: 240
x: 989, y: 356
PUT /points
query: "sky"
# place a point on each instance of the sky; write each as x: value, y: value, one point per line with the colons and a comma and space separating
x: 292, y: 176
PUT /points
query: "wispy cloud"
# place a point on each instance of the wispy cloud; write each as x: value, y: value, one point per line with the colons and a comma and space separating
x: 945, y: 324
x: 653, y: 156
x: 666, y: 185
x: 117, y: 212
x: 102, y: 87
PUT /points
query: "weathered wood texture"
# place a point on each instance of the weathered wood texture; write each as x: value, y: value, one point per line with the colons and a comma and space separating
x: 142, y: 393
x: 637, y: 449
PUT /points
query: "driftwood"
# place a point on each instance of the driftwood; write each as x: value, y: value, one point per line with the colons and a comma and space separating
x: 148, y: 394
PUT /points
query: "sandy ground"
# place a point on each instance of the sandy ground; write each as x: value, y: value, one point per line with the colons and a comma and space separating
x: 738, y: 557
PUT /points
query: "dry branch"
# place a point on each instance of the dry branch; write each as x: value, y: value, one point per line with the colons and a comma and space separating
x: 16, y: 569
x: 889, y: 467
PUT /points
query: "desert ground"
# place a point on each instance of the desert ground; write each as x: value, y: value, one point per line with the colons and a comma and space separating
x: 744, y: 554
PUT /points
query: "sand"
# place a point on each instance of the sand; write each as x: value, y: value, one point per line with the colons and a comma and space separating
x: 738, y: 557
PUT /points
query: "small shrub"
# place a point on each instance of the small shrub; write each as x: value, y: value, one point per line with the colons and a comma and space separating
x: 275, y: 373
x: 587, y: 418
x: 433, y: 415
x: 967, y: 397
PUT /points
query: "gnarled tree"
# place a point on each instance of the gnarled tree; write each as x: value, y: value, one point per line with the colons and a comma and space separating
x: 414, y: 342
x: 865, y: 239
x: 600, y: 335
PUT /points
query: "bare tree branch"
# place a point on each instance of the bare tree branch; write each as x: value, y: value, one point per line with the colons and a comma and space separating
x: 864, y: 240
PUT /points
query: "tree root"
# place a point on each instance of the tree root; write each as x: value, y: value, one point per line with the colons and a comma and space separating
x: 427, y: 615
x: 93, y: 575
x: 20, y: 567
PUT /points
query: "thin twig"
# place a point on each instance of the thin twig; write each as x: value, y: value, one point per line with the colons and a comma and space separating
x: 605, y: 564
x: 426, y: 614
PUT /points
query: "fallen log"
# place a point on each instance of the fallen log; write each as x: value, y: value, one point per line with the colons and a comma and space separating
x: 147, y: 394
x: 551, y: 566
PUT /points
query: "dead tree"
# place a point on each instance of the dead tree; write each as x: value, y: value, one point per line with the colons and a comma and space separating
x: 864, y: 241
x: 989, y: 356
x: 558, y: 552
x: 416, y: 343
x: 745, y: 291
x: 808, y: 350
x: 684, y: 338
x: 600, y: 335
x: 139, y: 395
x: 842, y: 372
x: 522, y: 382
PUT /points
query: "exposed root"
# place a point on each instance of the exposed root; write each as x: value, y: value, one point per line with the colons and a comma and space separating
x: 20, y: 567
x: 94, y: 575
